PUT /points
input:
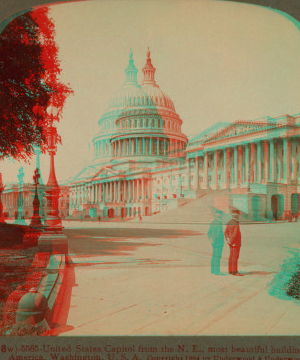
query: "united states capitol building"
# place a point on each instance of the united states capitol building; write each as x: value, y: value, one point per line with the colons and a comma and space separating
x: 144, y: 164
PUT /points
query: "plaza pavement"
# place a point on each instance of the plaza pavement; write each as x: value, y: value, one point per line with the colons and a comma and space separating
x: 154, y: 279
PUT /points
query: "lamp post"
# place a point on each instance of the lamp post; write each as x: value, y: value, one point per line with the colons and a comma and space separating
x: 20, y: 202
x: 36, y: 219
x: 52, y: 234
x: 2, y: 187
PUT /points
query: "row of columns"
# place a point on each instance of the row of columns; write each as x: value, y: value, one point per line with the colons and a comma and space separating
x: 102, y: 148
x: 132, y: 190
x: 10, y: 199
x: 140, y: 146
x: 243, y: 164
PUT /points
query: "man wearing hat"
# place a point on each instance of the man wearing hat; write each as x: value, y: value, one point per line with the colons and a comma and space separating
x: 216, y: 237
x: 233, y: 238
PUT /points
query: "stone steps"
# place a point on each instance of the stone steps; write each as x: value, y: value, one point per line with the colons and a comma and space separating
x: 196, y: 210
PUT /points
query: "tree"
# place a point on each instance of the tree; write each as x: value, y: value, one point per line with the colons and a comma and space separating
x: 29, y: 76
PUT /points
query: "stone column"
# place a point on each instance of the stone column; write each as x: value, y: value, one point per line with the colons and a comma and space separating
x: 239, y: 173
x: 149, y: 191
x: 294, y: 159
x: 197, y: 172
x: 272, y: 161
x: 236, y: 165
x: 247, y: 163
x: 143, y: 189
x: 287, y: 160
x: 130, y: 189
x: 115, y: 191
x: 150, y: 146
x: 157, y: 149
x: 216, y: 169
x: 134, y: 190
x: 137, y: 190
x: 266, y: 161
x: 258, y: 162
x: 228, y: 168
x: 110, y: 191
x: 136, y: 146
x: 225, y: 168
x: 206, y: 170
x: 188, y: 173
x: 164, y: 140
x: 118, y: 189
x: 100, y: 192
x: 143, y: 146
x: 97, y: 192
x: 252, y: 161
x: 124, y: 190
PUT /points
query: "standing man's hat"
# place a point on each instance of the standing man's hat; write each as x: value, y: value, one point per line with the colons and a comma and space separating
x: 235, y: 211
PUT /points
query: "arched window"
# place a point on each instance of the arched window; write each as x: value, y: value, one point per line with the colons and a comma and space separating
x: 141, y: 123
x: 153, y: 123
x: 135, y: 123
x: 147, y: 123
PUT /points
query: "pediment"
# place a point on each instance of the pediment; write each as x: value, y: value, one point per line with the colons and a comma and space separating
x: 238, y: 129
x: 105, y: 172
x: 85, y: 173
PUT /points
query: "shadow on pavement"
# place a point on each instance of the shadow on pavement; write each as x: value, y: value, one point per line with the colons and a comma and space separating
x: 257, y: 272
x: 116, y: 242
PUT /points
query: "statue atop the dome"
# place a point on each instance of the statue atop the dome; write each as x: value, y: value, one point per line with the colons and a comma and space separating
x: 149, y: 71
x: 131, y: 71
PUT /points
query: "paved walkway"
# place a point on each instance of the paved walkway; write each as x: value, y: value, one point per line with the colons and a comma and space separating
x: 154, y: 279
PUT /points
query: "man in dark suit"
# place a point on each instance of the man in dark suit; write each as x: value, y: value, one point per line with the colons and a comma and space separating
x: 233, y: 238
x: 216, y: 237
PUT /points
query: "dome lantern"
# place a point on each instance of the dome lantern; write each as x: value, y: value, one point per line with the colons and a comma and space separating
x: 131, y: 71
x: 149, y: 71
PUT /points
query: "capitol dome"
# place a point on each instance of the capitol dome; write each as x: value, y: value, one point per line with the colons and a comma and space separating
x: 134, y: 111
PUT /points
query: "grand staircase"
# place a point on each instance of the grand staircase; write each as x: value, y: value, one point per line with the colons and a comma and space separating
x: 199, y: 210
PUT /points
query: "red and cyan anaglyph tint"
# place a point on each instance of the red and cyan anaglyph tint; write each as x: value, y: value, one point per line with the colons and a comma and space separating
x: 159, y: 232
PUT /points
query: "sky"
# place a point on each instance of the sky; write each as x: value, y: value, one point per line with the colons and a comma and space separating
x: 217, y: 60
